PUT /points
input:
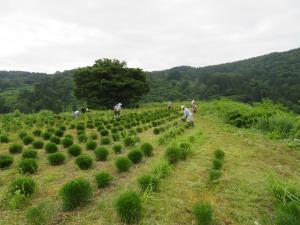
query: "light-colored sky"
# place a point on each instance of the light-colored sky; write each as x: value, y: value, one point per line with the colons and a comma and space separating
x: 52, y: 35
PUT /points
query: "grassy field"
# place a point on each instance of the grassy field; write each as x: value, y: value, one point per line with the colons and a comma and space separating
x: 240, y: 196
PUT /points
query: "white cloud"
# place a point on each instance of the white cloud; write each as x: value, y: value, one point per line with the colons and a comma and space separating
x: 63, y: 34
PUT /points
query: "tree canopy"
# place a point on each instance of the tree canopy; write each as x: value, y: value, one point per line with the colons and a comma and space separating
x: 108, y: 82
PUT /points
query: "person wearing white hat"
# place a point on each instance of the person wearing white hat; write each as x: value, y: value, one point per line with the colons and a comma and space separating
x: 169, y: 105
x: 187, y: 114
x: 117, y: 110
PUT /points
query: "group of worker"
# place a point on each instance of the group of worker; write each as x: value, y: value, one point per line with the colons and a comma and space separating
x: 187, y: 113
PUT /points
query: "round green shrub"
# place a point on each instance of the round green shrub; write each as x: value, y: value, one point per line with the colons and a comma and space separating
x: 27, y: 140
x: 82, y: 138
x: 25, y: 185
x: 116, y: 137
x: 203, y: 213
x: 46, y: 135
x: 105, y: 141
x: 4, y: 139
x: 51, y: 147
x: 135, y: 156
x: 156, y: 131
x: 76, y: 193
x: 91, y: 145
x: 101, y: 153
x: 59, y: 133
x: 67, y: 142
x: 84, y: 162
x: 104, y: 132
x: 28, y: 166
x: 129, y: 141
x: 37, y: 133
x: 123, y: 164
x: 214, y: 175
x: 139, y: 129
x: 22, y: 134
x: 56, y: 158
x: 217, y: 164
x: 117, y: 149
x: 80, y: 127
x: 74, y: 150
x: 148, y: 182
x: 80, y: 132
x: 114, y: 130
x: 15, y: 148
x: 69, y: 136
x: 219, y: 154
x: 29, y: 153
x: 129, y: 207
x: 147, y: 149
x: 6, y: 160
x: 103, y: 179
x: 37, y: 144
x: 173, y: 154
x: 55, y: 140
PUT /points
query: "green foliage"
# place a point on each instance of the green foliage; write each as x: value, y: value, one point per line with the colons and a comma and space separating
x: 217, y: 164
x: 29, y: 153
x: 82, y: 138
x: 51, y: 147
x: 185, y: 150
x: 55, y: 140
x: 36, y: 133
x: 25, y: 185
x: 104, y: 132
x: 91, y: 145
x: 173, y: 154
x: 162, y: 169
x: 117, y: 149
x: 116, y: 137
x: 105, y: 141
x: 203, y: 213
x: 103, y: 179
x: 214, y: 175
x: 4, y: 139
x: 84, y: 162
x: 135, y: 156
x: 288, y: 214
x: 59, y: 133
x: 37, y: 144
x: 129, y: 207
x: 15, y: 148
x: 123, y: 84
x: 101, y: 153
x: 27, y: 140
x: 219, y: 154
x: 67, y: 142
x: 156, y: 131
x: 46, y: 135
x: 129, y: 141
x: 6, y: 160
x: 147, y: 149
x: 76, y: 193
x: 56, y: 158
x: 148, y: 182
x: 28, y: 166
x: 123, y: 164
x: 74, y: 150
x: 41, y: 214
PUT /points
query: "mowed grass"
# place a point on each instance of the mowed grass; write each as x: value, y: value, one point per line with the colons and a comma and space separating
x: 240, y: 196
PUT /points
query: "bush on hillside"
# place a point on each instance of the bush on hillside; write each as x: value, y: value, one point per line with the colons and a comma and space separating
x: 15, y: 148
x: 91, y: 145
x: 103, y: 179
x: 135, y: 156
x: 219, y: 154
x: 29, y: 153
x: 84, y: 162
x: 6, y: 161
x: 4, y: 139
x: 67, y: 142
x: 117, y: 149
x: 51, y: 147
x: 28, y: 166
x: 25, y: 185
x: 27, y: 140
x: 105, y: 141
x: 46, y: 135
x: 147, y: 149
x: 101, y: 153
x: 148, y: 182
x: 123, y: 164
x: 74, y: 150
x: 37, y: 144
x: 55, y: 140
x: 203, y: 213
x: 56, y: 158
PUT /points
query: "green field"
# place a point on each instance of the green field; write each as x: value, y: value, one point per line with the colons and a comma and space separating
x: 261, y: 152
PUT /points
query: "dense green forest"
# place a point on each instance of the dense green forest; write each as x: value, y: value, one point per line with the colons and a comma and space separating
x: 275, y: 76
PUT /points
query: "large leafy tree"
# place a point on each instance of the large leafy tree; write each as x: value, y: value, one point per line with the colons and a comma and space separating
x: 108, y: 82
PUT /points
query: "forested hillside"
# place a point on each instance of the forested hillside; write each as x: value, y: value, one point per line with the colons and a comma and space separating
x: 275, y: 76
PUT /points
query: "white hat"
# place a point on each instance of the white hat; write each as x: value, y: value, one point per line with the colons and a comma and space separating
x: 120, y: 104
x: 182, y: 107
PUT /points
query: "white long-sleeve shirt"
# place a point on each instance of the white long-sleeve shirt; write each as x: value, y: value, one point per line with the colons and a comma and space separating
x: 187, y: 113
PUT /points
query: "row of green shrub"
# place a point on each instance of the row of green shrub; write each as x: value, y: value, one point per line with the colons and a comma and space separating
x: 217, y: 164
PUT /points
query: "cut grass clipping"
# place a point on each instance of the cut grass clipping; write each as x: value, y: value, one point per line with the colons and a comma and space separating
x: 75, y: 193
x: 129, y: 207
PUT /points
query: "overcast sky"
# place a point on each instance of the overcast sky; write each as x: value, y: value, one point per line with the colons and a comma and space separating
x: 56, y: 35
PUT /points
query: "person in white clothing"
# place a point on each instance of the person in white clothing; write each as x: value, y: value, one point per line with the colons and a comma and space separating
x: 75, y: 114
x: 187, y: 114
x: 117, y: 110
x: 169, y: 105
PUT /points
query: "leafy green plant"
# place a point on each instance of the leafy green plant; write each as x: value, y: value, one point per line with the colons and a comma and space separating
x: 101, y: 153
x: 37, y: 144
x: 147, y: 149
x: 4, y: 139
x: 82, y: 138
x: 41, y: 214
x: 173, y: 154
x: 27, y: 140
x: 36, y: 133
x: 6, y: 160
x: 105, y: 141
x: 46, y: 135
x: 162, y: 168
x: 91, y: 145
x: 104, y: 132
x: 148, y: 182
x: 219, y: 154
x: 135, y: 156
x: 75, y: 193
x: 214, y: 175
x: 217, y: 164
x: 103, y: 179
x: 123, y: 164
x: 117, y: 149
x: 56, y: 158
x: 25, y: 185
x: 55, y: 140
x: 29, y: 153
x: 203, y: 213
x: 15, y: 148
x: 51, y: 147
x: 67, y: 142
x: 129, y: 141
x: 129, y: 207
x: 288, y: 214
x: 59, y: 133
x: 28, y: 166
x: 84, y: 162
x: 116, y: 137
x: 156, y: 131
x: 74, y: 150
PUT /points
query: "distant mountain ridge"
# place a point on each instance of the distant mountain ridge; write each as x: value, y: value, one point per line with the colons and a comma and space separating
x: 275, y: 76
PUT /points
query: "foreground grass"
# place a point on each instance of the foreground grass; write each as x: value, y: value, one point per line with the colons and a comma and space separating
x: 240, y: 196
